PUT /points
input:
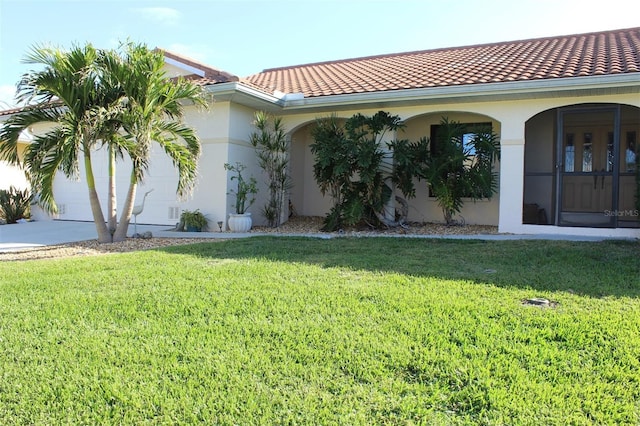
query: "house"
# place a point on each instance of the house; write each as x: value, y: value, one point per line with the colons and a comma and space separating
x: 566, y: 109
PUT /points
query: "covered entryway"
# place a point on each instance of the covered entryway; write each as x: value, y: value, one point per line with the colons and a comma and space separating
x: 580, y: 167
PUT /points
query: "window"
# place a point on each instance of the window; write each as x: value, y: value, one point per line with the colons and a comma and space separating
x: 466, y: 153
x: 465, y: 133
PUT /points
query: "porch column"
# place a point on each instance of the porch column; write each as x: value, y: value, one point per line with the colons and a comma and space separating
x: 511, y: 177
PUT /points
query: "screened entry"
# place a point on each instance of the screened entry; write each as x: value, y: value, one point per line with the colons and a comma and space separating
x: 582, y: 167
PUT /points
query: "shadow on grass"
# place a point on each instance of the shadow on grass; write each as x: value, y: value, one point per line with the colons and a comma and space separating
x: 594, y: 269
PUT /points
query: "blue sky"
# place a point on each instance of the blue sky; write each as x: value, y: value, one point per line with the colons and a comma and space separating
x: 244, y: 37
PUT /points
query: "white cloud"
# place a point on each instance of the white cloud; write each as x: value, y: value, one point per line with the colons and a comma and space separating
x: 163, y: 15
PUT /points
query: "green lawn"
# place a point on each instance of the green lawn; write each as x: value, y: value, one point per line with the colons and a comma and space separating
x: 310, y: 331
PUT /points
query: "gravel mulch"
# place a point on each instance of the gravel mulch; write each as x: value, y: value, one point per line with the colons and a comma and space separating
x: 93, y: 248
x: 296, y: 225
x: 313, y: 224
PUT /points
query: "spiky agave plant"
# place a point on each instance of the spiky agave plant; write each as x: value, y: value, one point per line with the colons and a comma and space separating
x: 15, y: 204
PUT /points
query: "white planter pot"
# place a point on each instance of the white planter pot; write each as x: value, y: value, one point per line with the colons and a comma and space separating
x: 240, y: 222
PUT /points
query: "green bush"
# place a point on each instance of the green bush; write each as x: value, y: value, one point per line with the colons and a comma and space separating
x: 350, y: 166
x: 14, y: 204
x: 461, y: 165
x: 194, y: 219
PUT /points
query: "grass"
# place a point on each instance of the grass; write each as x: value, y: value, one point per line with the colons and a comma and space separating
x: 306, y: 331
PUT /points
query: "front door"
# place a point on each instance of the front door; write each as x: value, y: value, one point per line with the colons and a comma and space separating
x: 587, y: 151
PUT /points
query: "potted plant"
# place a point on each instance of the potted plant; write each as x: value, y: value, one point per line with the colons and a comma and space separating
x: 194, y: 221
x: 245, y: 192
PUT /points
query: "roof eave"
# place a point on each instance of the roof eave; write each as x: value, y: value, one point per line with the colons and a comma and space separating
x: 242, y: 94
x: 620, y: 83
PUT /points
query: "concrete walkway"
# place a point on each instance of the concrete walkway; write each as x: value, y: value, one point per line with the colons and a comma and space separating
x: 45, y: 233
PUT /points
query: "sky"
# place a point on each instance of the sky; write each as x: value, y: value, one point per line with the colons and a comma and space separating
x: 244, y: 37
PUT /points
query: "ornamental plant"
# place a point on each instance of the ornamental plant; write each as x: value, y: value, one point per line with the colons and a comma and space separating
x: 459, y: 165
x: 245, y: 189
x: 272, y: 149
x: 354, y: 169
x: 193, y: 219
x: 14, y: 204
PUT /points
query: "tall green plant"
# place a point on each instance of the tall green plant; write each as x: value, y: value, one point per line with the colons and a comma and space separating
x: 152, y: 113
x: 332, y: 164
x: 245, y: 189
x: 350, y: 166
x: 272, y: 149
x: 460, y: 165
x: 67, y: 93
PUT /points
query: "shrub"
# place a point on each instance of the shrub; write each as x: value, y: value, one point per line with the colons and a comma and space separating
x: 350, y: 166
x: 272, y: 149
x: 460, y: 165
x: 193, y: 219
x: 14, y: 204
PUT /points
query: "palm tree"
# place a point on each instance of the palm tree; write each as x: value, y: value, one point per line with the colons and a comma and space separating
x: 96, y: 98
x: 66, y: 93
x: 153, y: 113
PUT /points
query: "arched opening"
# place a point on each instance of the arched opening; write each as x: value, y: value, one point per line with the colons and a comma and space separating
x: 424, y: 207
x: 581, y: 166
x: 306, y: 198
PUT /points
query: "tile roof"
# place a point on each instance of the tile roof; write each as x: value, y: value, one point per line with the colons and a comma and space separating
x: 592, y: 54
x: 211, y: 75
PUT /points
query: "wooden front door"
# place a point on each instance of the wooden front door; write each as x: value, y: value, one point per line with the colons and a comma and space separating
x: 587, y: 168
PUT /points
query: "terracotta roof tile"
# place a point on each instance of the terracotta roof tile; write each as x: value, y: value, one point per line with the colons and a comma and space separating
x: 211, y: 75
x: 592, y: 54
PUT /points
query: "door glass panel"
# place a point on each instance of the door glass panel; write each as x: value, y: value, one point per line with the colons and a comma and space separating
x: 569, y: 153
x: 587, y: 153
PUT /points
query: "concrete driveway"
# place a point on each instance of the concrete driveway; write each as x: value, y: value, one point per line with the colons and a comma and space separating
x: 45, y: 233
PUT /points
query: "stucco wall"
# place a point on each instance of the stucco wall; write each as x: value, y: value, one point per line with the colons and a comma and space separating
x: 12, y: 175
x: 162, y: 206
x: 306, y: 197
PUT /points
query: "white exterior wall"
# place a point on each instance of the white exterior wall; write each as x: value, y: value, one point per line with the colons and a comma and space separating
x: 241, y: 151
x: 162, y: 206
x: 12, y: 176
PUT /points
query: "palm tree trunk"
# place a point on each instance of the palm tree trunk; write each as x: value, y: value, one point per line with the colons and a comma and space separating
x: 112, y: 206
x: 104, y: 236
x: 125, y: 216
